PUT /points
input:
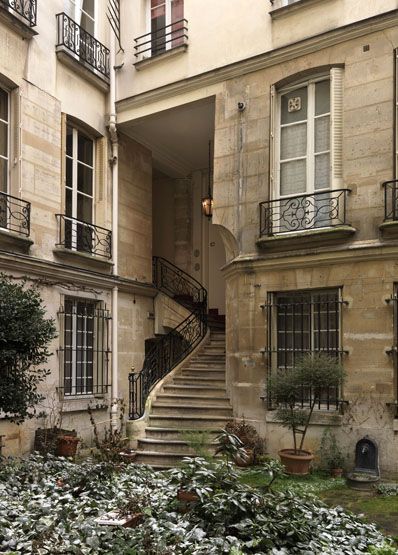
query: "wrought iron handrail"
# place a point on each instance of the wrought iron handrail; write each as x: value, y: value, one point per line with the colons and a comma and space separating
x: 390, y: 200
x: 174, y: 33
x: 303, y: 212
x: 82, y: 236
x: 173, y: 347
x: 82, y: 45
x: 25, y: 9
x: 14, y: 214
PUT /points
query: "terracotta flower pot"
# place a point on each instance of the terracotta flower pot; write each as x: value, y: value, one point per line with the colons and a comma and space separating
x: 187, y: 496
x: 296, y: 464
x: 336, y: 472
x: 67, y: 446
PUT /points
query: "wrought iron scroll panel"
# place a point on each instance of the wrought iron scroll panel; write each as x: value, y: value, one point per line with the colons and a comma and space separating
x: 303, y: 212
x: 164, y: 38
x: 391, y: 200
x: 84, y: 237
x: 25, y: 9
x: 82, y: 45
x: 173, y: 347
x: 14, y: 214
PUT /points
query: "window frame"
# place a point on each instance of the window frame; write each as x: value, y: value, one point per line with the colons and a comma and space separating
x: 168, y: 21
x: 8, y: 124
x: 77, y: 6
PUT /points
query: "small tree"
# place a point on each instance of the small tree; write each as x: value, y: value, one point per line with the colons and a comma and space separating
x: 24, y: 337
x: 314, y: 372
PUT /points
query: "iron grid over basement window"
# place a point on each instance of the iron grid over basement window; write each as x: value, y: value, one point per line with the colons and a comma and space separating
x: 393, y: 301
x: 84, y: 353
x: 301, y: 322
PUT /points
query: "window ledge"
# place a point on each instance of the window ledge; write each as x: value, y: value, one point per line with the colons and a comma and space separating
x: 17, y: 23
x: 319, y: 418
x: 14, y: 242
x: 278, y: 10
x: 312, y: 237
x: 82, y: 68
x: 389, y: 229
x: 80, y: 405
x: 84, y: 259
x: 141, y: 64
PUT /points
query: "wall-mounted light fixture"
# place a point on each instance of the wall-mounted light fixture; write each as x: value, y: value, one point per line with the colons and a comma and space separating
x: 207, y: 202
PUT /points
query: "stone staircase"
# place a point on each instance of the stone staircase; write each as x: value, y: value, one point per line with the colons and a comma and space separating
x: 194, y: 400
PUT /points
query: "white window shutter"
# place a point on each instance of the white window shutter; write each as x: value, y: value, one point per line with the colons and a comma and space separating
x: 101, y: 180
x: 272, y: 143
x: 15, y: 154
x: 63, y: 160
x: 336, y: 128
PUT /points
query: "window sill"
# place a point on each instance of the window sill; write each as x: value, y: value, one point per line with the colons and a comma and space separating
x: 389, y: 229
x: 141, y: 64
x: 84, y: 259
x: 319, y: 418
x: 10, y: 240
x: 17, y: 23
x: 278, y: 10
x: 82, y: 68
x: 310, y: 237
x: 73, y: 404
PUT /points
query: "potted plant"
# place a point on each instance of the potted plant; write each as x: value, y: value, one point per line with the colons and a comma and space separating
x: 331, y: 455
x: 47, y: 438
x: 66, y: 445
x: 232, y: 448
x: 314, y: 372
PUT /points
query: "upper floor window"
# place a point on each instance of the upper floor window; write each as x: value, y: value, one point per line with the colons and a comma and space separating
x: 166, y: 24
x: 83, y: 13
x: 4, y: 140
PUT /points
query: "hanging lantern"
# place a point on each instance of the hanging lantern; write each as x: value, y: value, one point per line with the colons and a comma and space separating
x: 207, y: 206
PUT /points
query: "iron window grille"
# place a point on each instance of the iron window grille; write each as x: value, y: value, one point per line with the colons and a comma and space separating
x: 85, y: 350
x: 23, y: 9
x: 80, y: 236
x: 302, y: 322
x: 393, y: 301
x: 14, y: 214
x: 390, y: 200
x: 162, y: 39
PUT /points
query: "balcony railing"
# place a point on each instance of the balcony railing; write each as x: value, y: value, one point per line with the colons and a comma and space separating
x: 303, y: 212
x: 82, y: 46
x: 14, y: 214
x: 85, y: 237
x: 163, y: 39
x: 25, y: 9
x: 390, y: 200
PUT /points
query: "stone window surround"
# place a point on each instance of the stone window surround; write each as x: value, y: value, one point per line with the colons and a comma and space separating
x: 280, y: 8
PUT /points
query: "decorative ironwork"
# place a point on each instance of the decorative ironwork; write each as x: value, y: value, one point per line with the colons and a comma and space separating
x: 301, y: 212
x: 83, y: 236
x: 14, y: 214
x: 164, y: 38
x: 173, y: 347
x: 25, y: 9
x: 302, y: 322
x: 85, y: 350
x: 83, y: 46
x: 391, y: 200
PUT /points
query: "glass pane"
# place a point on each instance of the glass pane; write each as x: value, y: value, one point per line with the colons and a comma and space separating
x: 322, y: 171
x: 3, y: 175
x: 155, y: 3
x: 3, y: 139
x: 294, y: 141
x: 294, y: 106
x: 84, y: 208
x: 322, y: 134
x: 3, y: 105
x: 322, y: 97
x: 177, y: 10
x: 293, y: 177
x: 84, y: 179
x: 69, y: 141
x: 68, y: 203
x: 85, y: 149
x: 69, y: 173
x: 88, y: 25
x: 158, y: 31
x: 88, y: 7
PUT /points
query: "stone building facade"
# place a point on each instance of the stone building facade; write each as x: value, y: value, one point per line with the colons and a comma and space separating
x: 296, y: 102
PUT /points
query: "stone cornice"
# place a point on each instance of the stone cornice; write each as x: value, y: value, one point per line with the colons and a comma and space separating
x: 68, y: 274
x: 368, y: 251
x: 264, y: 60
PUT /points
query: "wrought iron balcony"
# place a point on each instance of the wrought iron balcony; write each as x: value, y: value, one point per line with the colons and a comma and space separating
x: 391, y: 200
x: 24, y: 10
x: 14, y: 214
x: 82, y: 46
x: 84, y: 237
x: 163, y: 39
x: 304, y: 212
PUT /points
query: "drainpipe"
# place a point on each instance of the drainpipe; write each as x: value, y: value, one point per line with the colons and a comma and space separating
x: 115, y: 227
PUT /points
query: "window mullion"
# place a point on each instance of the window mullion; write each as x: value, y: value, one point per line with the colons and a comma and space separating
x: 311, y: 139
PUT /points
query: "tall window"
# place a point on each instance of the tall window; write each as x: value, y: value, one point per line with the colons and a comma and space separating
x: 163, y: 13
x: 301, y: 322
x: 83, y: 13
x: 85, y: 350
x: 4, y: 140
x: 79, y: 190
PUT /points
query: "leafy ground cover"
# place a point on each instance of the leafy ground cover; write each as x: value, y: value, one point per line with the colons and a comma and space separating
x: 50, y: 506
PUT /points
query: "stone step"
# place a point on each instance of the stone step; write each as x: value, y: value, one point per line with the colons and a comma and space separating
x: 190, y: 409
x: 166, y: 433
x: 183, y: 421
x: 196, y: 380
x: 204, y: 368
x: 204, y: 373
x: 178, y: 389
x: 158, y: 460
x: 195, y: 399
x: 177, y: 446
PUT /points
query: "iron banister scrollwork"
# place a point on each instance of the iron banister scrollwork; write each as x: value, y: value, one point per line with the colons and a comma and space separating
x: 82, y: 45
x: 25, y: 9
x: 82, y: 236
x: 303, y: 212
x: 390, y: 200
x: 14, y: 214
x: 162, y: 39
x: 173, y: 347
